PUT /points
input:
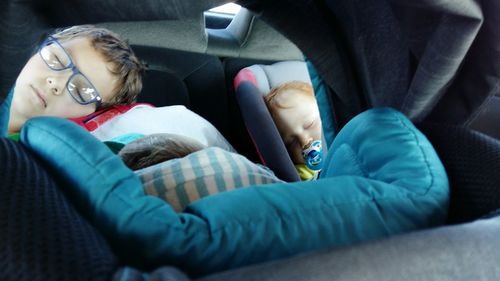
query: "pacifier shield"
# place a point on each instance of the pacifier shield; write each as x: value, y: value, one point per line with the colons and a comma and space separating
x: 313, y: 155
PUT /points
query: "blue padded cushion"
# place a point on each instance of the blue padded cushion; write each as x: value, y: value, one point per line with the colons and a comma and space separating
x: 324, y: 104
x: 4, y: 113
x: 383, y: 177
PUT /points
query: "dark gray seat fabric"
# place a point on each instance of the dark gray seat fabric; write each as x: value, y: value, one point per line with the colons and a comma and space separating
x: 455, y: 253
x: 472, y: 162
x: 42, y: 236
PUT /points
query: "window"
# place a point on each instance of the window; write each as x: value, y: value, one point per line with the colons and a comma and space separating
x: 229, y: 8
x: 220, y: 17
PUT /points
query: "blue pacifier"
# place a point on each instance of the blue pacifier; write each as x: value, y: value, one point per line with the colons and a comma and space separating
x: 313, y: 155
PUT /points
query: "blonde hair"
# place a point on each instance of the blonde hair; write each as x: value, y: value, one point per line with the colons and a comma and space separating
x: 274, y: 103
x: 126, y: 66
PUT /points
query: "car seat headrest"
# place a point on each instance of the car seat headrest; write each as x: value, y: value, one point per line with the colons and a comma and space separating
x: 266, y: 77
x: 251, y: 85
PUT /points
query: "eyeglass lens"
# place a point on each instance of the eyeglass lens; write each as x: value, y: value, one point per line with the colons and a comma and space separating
x: 78, y: 86
x: 81, y: 89
x: 55, y: 56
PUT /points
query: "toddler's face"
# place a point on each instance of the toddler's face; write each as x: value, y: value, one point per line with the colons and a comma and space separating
x: 299, y: 123
x: 41, y: 91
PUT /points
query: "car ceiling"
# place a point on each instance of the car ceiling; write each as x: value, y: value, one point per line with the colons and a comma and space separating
x: 245, y: 37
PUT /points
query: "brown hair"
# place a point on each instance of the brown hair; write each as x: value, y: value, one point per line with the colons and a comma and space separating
x: 157, y: 148
x: 126, y: 66
x: 272, y: 99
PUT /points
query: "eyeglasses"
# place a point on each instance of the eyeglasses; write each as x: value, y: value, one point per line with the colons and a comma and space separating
x: 58, y: 59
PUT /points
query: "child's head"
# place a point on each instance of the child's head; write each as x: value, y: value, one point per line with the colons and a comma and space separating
x: 296, y: 115
x: 73, y: 72
x: 157, y: 148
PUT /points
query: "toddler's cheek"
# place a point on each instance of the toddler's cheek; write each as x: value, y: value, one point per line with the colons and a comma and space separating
x: 296, y: 155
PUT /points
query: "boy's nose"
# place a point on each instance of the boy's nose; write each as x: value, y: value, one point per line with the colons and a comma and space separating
x: 54, y: 86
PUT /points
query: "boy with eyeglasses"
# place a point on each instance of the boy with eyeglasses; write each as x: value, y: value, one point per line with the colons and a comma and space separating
x: 74, y: 72
x: 81, y: 69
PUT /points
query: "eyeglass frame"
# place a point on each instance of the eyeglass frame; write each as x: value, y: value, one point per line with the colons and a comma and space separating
x: 75, y: 71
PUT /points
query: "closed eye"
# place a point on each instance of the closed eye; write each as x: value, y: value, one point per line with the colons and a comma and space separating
x: 310, y: 124
x: 79, y: 95
x: 58, y: 60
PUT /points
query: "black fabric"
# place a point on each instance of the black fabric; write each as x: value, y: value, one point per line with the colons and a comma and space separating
x: 161, y: 88
x: 488, y: 119
x: 42, y: 237
x: 191, y: 79
x: 472, y: 162
x: 60, y: 12
x: 238, y: 135
x: 21, y: 27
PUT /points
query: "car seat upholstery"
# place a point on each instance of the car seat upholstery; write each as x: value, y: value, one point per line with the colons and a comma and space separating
x: 42, y: 235
x: 252, y: 84
x: 472, y: 162
x: 453, y: 253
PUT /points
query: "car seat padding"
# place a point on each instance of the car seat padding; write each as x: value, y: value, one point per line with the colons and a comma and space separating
x: 264, y: 133
x: 252, y: 84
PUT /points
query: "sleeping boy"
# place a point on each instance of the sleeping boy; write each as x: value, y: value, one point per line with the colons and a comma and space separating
x: 81, y: 69
x: 296, y: 115
x: 74, y: 72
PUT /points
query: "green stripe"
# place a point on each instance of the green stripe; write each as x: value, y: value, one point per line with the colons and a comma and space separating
x: 179, y: 179
x: 199, y: 174
x: 236, y: 170
x: 158, y: 183
x: 14, y: 137
x: 218, y: 172
x: 251, y: 171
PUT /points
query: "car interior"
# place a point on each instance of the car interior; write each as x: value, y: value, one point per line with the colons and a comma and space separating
x: 54, y: 224
x: 198, y: 70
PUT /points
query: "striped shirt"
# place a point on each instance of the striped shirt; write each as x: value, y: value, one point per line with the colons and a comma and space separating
x: 212, y: 170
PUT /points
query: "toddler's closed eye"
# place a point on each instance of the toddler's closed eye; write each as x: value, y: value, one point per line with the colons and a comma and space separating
x: 310, y: 124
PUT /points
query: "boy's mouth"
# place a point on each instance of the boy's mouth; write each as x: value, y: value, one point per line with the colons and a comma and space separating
x: 40, y: 96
